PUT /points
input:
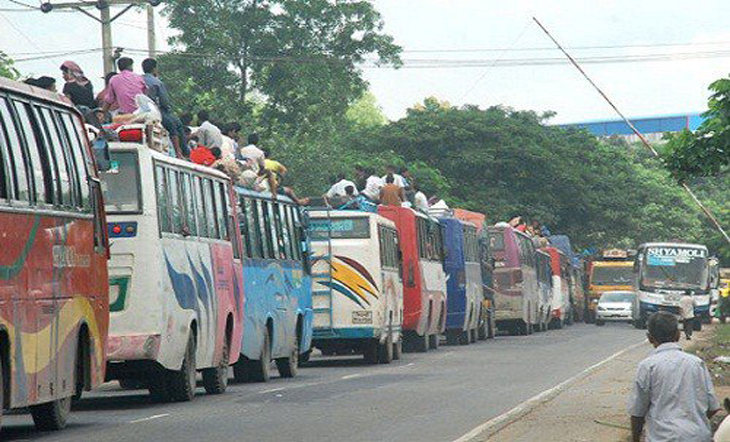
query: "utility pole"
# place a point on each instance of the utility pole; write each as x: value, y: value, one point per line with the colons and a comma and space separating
x: 151, y: 37
x: 105, y: 19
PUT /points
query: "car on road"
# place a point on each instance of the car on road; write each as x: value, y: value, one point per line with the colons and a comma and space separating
x: 614, y: 306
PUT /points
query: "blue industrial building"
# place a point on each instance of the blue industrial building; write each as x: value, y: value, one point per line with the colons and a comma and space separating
x: 651, y: 127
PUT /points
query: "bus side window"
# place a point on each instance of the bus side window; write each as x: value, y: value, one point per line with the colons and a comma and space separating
x: 253, y: 221
x: 38, y: 157
x: 18, y: 160
x: 210, y: 208
x: 163, y: 204
x: 66, y: 174
x: 244, y: 227
x: 175, y: 202
x: 188, y: 198
x: 219, y: 190
x: 264, y: 228
x: 78, y: 149
x: 299, y: 239
x: 200, y: 207
x: 6, y: 169
x: 273, y: 230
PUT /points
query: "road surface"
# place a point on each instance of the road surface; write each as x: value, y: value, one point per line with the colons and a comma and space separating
x: 437, y: 396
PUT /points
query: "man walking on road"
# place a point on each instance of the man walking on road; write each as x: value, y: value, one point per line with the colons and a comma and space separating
x: 672, y: 390
x: 687, y: 310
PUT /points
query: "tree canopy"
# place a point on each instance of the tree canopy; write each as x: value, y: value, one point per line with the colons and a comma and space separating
x: 7, y: 67
x: 706, y: 152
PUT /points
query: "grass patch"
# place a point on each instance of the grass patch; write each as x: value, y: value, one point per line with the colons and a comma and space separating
x: 716, y: 344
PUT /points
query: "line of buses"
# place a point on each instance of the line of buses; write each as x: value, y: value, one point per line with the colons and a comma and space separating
x: 155, y: 270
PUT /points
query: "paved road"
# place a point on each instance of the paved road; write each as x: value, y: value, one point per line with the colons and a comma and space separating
x: 437, y: 396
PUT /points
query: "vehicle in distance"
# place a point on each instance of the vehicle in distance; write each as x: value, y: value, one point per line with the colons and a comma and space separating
x: 614, y: 306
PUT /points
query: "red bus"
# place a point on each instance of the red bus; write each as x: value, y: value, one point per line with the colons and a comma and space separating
x: 560, y: 306
x: 54, y: 307
x: 424, y: 280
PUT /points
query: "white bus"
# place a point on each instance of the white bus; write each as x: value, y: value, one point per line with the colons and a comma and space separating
x: 357, y: 292
x: 176, y: 292
x: 663, y: 272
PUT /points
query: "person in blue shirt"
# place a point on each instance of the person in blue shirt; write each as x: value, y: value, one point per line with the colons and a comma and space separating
x: 157, y: 91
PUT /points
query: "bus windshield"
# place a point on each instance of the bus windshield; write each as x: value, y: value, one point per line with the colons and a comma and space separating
x: 675, y: 267
x: 358, y: 228
x: 121, y: 183
x: 611, y: 275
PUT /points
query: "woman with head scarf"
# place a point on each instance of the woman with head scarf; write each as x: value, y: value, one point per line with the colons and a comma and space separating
x: 78, y: 88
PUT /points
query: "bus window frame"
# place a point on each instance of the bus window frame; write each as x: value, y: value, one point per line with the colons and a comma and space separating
x: 140, y: 201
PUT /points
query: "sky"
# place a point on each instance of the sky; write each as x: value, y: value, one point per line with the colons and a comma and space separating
x: 505, y: 28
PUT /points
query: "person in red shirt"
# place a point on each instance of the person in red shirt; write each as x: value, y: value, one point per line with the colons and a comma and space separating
x: 202, y: 155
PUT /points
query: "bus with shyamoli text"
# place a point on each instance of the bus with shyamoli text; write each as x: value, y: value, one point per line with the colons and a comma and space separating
x: 663, y: 273
x: 54, y: 304
x: 175, y: 277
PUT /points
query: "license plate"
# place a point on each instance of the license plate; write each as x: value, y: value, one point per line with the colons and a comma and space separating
x: 362, y: 317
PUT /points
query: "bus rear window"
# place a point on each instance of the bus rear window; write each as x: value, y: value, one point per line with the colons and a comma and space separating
x: 340, y: 227
x: 121, y: 184
x: 496, y: 241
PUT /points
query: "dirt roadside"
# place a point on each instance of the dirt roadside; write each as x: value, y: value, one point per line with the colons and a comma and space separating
x: 594, y: 408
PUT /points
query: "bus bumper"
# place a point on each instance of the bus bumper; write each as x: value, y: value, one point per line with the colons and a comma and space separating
x: 133, y: 347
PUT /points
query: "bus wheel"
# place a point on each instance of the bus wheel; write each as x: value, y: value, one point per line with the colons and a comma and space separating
x: 181, y: 383
x: 304, y: 357
x: 288, y: 367
x: 370, y: 351
x: 398, y: 348
x: 452, y: 337
x: 464, y: 337
x: 157, y: 386
x: 420, y: 343
x: 215, y: 379
x: 260, y: 371
x: 51, y: 416
x: 492, y: 327
x: 473, y: 336
x: 385, y: 350
x: 434, y: 341
x: 240, y: 370
x: 483, y: 330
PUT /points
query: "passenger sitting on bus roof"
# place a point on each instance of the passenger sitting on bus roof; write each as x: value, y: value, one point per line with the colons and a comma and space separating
x: 251, y: 155
x: 230, y: 142
x: 203, y: 155
x: 373, y: 184
x: 124, y: 88
x: 437, y: 203
x: 408, y: 183
x: 43, y: 82
x: 208, y: 133
x: 398, y: 180
x: 350, y: 200
x: 157, y: 91
x: 420, y: 202
x: 392, y: 194
x: 227, y: 165
x: 78, y: 88
x: 101, y: 96
x: 338, y: 188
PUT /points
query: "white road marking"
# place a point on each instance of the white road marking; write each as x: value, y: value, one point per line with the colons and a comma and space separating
x: 351, y: 376
x: 497, y: 423
x: 144, y: 419
x: 272, y: 390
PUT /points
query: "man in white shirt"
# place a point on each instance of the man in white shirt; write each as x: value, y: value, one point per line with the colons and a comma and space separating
x: 420, y: 201
x: 398, y: 180
x: 672, y: 390
x: 251, y: 155
x: 338, y: 188
x: 373, y: 184
x: 687, y: 311
x: 208, y: 133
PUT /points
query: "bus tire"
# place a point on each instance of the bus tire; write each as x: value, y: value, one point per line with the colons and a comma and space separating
x: 420, y: 343
x: 157, y: 386
x: 51, y: 416
x: 600, y: 322
x: 260, y: 371
x: 464, y: 338
x: 434, y: 341
x: 482, y: 330
x: 492, y: 327
x: 241, y: 370
x: 288, y: 367
x: 304, y: 357
x: 215, y: 379
x: 370, y: 351
x: 385, y: 350
x: 452, y: 337
x: 398, y: 348
x: 181, y: 383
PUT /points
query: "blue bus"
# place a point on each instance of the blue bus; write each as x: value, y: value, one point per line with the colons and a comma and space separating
x: 277, y: 287
x: 464, y: 283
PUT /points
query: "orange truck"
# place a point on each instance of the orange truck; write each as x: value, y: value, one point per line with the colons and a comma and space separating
x: 612, y: 270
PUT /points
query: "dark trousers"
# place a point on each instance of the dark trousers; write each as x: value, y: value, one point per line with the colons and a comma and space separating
x: 688, y: 326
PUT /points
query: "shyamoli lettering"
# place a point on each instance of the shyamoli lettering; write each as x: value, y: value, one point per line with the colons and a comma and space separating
x: 677, y: 252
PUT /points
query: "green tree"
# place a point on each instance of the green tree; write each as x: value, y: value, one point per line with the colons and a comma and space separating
x: 365, y: 112
x: 298, y: 57
x: 7, y: 67
x: 705, y: 152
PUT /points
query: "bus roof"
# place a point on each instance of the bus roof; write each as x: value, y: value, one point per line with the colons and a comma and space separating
x: 244, y: 191
x: 28, y: 90
x: 321, y: 213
